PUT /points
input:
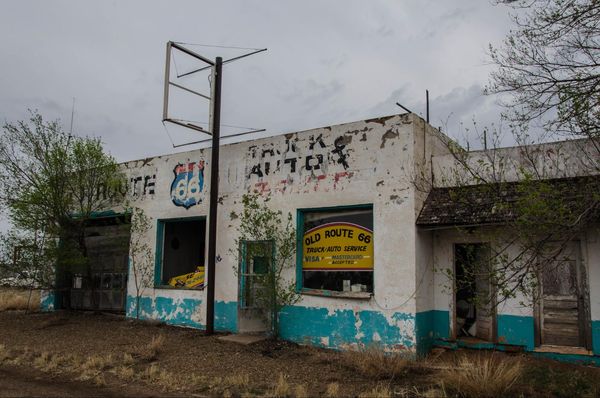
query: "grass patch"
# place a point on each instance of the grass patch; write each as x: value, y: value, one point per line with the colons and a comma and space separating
x: 482, y: 375
x: 562, y: 383
x: 333, y: 390
x: 374, y: 363
x: 282, y: 388
x: 17, y: 299
x: 151, y: 351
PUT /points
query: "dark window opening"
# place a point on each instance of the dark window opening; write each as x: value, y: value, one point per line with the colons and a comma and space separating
x: 337, y: 250
x: 183, y: 249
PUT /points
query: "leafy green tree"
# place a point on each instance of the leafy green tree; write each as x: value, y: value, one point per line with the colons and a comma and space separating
x: 51, y: 185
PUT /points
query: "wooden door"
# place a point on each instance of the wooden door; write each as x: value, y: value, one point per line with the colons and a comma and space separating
x: 562, y: 314
x: 472, y: 285
x: 486, y: 308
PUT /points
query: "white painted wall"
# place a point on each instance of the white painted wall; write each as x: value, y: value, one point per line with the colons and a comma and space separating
x: 381, y: 157
x: 552, y: 160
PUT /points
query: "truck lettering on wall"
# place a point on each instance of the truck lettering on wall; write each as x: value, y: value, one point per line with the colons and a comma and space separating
x: 311, y: 160
x: 188, y: 183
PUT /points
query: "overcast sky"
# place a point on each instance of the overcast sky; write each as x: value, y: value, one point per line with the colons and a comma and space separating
x: 328, y: 62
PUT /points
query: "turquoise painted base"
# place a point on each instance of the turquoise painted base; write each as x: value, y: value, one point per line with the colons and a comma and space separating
x: 182, y: 312
x: 431, y: 325
x: 47, y: 301
x: 596, y: 337
x: 516, y: 330
x: 340, y: 328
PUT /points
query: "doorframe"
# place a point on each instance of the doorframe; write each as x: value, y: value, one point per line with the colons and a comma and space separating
x: 494, y: 315
x: 583, y: 300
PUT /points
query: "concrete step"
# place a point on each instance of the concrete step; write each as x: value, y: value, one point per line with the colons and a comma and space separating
x: 245, y: 339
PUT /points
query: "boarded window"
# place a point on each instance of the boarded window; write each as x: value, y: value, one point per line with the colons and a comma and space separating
x: 337, y: 250
x: 183, y: 253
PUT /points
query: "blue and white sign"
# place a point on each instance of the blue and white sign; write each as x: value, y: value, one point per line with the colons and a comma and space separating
x: 187, y: 186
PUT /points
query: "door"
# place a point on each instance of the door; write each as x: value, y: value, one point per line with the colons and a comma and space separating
x: 254, y: 294
x: 474, y: 299
x: 563, y: 319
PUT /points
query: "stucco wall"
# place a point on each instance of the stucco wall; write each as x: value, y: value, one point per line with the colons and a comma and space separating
x: 515, y: 316
x: 366, y: 162
x: 551, y: 160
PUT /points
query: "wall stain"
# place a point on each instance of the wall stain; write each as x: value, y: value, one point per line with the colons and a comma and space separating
x: 388, y: 136
x: 380, y: 120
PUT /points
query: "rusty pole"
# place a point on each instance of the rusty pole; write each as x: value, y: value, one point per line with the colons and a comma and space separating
x: 214, y: 196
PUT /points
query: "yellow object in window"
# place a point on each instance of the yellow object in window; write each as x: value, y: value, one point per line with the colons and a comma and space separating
x: 191, y: 280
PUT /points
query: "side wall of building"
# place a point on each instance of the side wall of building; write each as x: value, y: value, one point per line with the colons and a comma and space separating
x: 515, y: 316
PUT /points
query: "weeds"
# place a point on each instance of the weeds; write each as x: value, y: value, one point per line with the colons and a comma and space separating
x: 151, y: 351
x: 300, y: 391
x: 375, y: 363
x: 482, y: 375
x: 380, y: 391
x: 13, y: 299
x: 562, y: 383
x: 333, y: 390
x: 282, y: 388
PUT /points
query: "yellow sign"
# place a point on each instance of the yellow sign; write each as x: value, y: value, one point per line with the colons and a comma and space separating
x: 338, y: 246
x: 193, y: 279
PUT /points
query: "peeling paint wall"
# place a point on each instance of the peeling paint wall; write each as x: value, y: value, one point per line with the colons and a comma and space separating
x: 515, y: 316
x: 365, y: 162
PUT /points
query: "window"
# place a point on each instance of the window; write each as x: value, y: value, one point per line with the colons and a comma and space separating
x: 337, y: 249
x: 180, y: 262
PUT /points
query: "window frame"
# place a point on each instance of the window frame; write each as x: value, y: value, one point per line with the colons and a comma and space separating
x: 299, y: 246
x: 160, y: 243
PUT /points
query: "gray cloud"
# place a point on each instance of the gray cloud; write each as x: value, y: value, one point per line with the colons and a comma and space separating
x: 328, y: 62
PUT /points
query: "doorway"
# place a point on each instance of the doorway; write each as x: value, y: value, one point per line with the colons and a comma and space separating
x: 474, y: 303
x: 562, y: 317
x: 256, y: 262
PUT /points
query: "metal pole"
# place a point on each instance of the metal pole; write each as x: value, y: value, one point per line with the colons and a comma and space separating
x: 167, y: 81
x: 427, y: 104
x: 214, y: 196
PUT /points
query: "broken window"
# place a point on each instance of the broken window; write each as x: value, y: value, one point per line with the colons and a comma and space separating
x: 337, y: 249
x: 183, y: 253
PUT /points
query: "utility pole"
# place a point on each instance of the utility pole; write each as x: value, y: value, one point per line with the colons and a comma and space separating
x: 215, y: 124
x: 216, y: 67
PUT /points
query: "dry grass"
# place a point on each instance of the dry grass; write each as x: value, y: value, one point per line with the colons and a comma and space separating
x: 128, y: 359
x: 482, y: 375
x: 375, y: 363
x: 300, y: 391
x: 125, y: 373
x: 241, y: 380
x: 381, y: 391
x: 333, y: 390
x: 4, y: 354
x: 17, y: 299
x: 151, y: 350
x: 282, y: 388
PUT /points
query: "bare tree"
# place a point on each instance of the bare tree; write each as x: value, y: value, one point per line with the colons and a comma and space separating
x: 550, y: 64
x: 140, y: 256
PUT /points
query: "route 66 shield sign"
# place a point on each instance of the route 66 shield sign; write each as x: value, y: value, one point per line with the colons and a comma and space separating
x: 187, y: 186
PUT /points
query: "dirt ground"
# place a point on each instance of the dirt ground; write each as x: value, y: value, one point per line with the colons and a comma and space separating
x: 84, y: 354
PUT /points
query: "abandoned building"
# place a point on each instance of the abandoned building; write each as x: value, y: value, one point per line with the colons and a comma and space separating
x: 377, y: 192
